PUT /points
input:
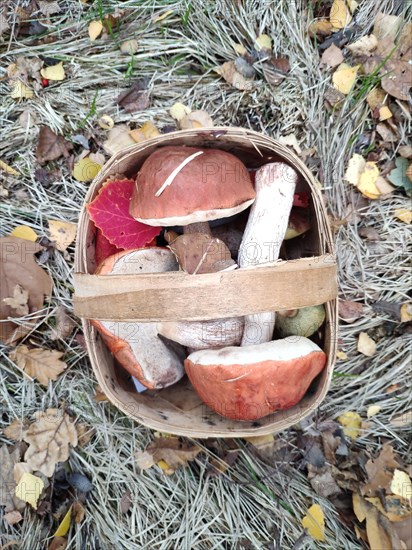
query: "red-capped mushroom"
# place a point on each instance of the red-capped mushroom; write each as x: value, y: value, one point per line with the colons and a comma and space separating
x: 137, y: 346
x: 248, y: 383
x: 185, y: 185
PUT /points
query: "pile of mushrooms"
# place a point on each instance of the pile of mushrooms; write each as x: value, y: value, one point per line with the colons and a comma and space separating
x: 234, y: 364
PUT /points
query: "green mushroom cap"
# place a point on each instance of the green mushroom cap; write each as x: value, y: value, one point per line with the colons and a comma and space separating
x: 300, y: 322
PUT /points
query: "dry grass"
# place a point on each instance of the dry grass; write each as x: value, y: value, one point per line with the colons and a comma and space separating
x: 191, y: 510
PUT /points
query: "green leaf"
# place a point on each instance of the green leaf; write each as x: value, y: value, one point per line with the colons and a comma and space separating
x: 398, y: 176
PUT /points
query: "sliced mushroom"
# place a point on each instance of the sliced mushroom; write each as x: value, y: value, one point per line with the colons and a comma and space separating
x: 136, y: 345
x: 248, y: 383
x: 264, y: 233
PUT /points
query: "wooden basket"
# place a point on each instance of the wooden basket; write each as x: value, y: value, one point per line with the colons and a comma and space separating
x: 176, y: 295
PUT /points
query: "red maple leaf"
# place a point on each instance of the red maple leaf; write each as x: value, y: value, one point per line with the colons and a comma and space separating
x: 110, y: 213
x: 104, y: 248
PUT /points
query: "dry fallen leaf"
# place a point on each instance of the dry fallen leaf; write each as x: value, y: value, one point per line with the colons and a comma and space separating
x: 344, y: 78
x: 16, y: 429
x: 232, y: 76
x: 263, y: 42
x: 314, y: 522
x: 19, y: 469
x: 401, y: 485
x: 179, y: 111
x: 51, y: 146
x: 404, y: 215
x: 13, y: 517
x: 18, y: 267
x: 54, y: 72
x: 406, y: 309
x: 49, y: 8
x: 106, y: 122
x: 368, y: 181
x: 42, y: 364
x: 84, y: 434
x: 147, y: 131
x: 29, y: 489
x: 340, y: 15
x: 7, y: 483
x: 384, y: 113
x: 405, y: 151
x: 291, y: 141
x: 86, y: 170
x: 332, y: 56
x: 378, y: 538
x: 376, y: 98
x: 19, y: 90
x: 402, y: 420
x: 392, y: 507
x: 64, y: 325
x: 373, y: 410
x: 129, y: 47
x: 364, y: 46
x: 18, y: 302
x: 349, y: 311
x: 62, y: 233
x: 196, y: 119
x: 95, y: 30
x: 351, y: 422
x: 320, y: 28
x: 99, y: 395
x: 366, y: 345
x: 8, y: 169
x: 135, y: 98
x: 49, y: 437
x: 341, y: 355
x: 58, y: 543
x: 64, y: 526
x: 380, y: 472
x: 24, y: 232
x: 386, y: 25
x: 170, y: 452
x: 118, y: 138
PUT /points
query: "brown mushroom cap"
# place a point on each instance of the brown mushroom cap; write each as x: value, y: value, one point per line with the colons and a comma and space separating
x: 137, y: 346
x: 247, y: 383
x: 212, y: 185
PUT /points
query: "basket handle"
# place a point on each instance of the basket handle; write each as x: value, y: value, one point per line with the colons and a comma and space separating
x: 176, y: 295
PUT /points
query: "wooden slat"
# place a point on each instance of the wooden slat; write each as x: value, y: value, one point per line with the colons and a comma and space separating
x: 179, y: 296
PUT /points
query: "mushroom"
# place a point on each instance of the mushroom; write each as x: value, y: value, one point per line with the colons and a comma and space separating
x: 301, y: 322
x: 248, y: 383
x: 298, y: 224
x: 190, y: 186
x: 264, y: 233
x: 137, y: 346
x: 184, y: 185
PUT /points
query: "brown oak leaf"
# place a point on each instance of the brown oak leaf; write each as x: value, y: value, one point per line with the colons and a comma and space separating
x: 135, y: 98
x: 49, y: 437
x: 42, y: 364
x: 51, y: 146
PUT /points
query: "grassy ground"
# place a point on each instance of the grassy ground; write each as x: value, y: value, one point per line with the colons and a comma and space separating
x: 259, y: 500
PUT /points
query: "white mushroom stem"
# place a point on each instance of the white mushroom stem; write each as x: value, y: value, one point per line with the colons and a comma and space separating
x: 263, y: 236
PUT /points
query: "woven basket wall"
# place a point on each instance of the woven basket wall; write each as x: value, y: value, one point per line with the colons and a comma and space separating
x: 297, y: 283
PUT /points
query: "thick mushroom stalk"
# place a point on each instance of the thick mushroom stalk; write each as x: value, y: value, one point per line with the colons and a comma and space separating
x: 265, y: 230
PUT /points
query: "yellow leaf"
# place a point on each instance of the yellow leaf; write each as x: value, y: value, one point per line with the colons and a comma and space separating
x: 86, y: 170
x: 340, y: 15
x: 404, y: 215
x: 356, y: 166
x: 314, y: 522
x: 179, y: 111
x: 239, y: 49
x: 8, y: 169
x: 29, y: 489
x: 264, y: 42
x: 162, y: 16
x: 377, y: 536
x: 196, y: 119
x: 341, y: 355
x: 376, y: 98
x: 21, y: 91
x: 64, y: 526
x: 106, y: 122
x: 164, y: 466
x: 366, y: 345
x: 351, y: 422
x: 95, y: 30
x: 372, y: 410
x: 406, y: 313
x: 344, y: 77
x: 401, y: 485
x: 360, y: 507
x: 54, y: 72
x: 392, y: 507
x: 24, y: 232
x: 62, y: 233
x: 367, y: 181
x: 262, y: 442
x: 147, y: 131
x: 384, y: 113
